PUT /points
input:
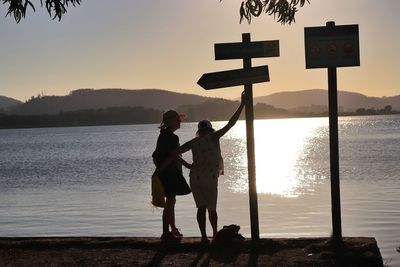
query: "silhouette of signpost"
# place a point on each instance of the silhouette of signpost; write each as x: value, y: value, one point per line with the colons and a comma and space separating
x: 330, y: 47
x: 246, y: 76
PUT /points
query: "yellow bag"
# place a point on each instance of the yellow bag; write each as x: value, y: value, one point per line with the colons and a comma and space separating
x: 157, y: 192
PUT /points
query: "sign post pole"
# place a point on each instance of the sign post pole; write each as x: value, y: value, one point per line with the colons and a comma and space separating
x: 331, y: 47
x: 248, y: 88
x: 334, y: 151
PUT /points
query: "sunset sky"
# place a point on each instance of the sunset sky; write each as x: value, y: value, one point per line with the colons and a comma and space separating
x: 169, y: 44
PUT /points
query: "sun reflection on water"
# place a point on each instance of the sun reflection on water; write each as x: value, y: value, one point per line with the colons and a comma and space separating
x: 283, y: 149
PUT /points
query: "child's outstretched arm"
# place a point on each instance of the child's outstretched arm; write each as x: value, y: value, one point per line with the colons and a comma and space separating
x: 232, y: 121
x: 184, y: 162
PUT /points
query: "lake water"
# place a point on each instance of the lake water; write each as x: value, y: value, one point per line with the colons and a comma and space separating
x: 95, y: 181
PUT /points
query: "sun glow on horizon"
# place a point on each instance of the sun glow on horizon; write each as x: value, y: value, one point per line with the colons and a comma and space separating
x: 282, y: 148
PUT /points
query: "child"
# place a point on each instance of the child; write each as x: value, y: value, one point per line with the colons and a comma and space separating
x: 171, y: 177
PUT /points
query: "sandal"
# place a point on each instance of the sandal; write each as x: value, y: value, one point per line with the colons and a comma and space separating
x: 204, y: 241
x: 168, y: 236
x: 176, y: 233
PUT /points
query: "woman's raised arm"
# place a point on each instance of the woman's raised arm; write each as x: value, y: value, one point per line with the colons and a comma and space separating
x: 232, y: 121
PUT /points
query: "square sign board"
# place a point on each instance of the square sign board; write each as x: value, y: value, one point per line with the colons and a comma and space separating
x: 332, y: 46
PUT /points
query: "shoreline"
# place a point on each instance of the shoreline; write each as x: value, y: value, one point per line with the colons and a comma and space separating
x: 93, y: 124
x: 149, y: 251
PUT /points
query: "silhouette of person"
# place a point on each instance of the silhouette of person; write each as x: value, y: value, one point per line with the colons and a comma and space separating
x: 171, y: 176
x: 207, y: 166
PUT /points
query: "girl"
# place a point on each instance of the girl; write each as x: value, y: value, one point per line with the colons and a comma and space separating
x: 171, y: 177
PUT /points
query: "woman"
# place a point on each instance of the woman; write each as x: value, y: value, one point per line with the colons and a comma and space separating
x: 171, y: 177
x: 205, y: 170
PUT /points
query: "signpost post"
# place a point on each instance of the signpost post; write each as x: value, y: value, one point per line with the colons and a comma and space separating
x: 245, y: 50
x: 331, y: 47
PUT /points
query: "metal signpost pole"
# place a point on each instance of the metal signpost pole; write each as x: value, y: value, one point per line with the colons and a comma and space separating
x: 332, y: 47
x: 255, y: 235
x: 334, y: 151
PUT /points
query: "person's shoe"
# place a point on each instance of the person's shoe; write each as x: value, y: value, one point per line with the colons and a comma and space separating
x: 168, y: 237
x: 176, y: 233
x: 204, y: 241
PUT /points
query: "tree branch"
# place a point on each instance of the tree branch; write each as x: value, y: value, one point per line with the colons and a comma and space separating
x: 55, y: 8
x: 284, y: 11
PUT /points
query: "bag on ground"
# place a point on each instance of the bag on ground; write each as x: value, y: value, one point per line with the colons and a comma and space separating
x: 228, y: 234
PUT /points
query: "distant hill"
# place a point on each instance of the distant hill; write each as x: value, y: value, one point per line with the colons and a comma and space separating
x: 306, y: 102
x: 317, y: 101
x: 213, y: 109
x: 85, y: 107
x: 104, y: 98
x: 219, y: 109
x: 6, y: 102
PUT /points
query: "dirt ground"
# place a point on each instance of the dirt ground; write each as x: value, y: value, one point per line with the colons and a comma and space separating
x: 141, y: 251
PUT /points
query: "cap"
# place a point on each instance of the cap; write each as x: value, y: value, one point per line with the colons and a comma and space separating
x: 172, y: 114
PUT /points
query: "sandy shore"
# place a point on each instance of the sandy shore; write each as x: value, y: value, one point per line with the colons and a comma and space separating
x: 142, y: 251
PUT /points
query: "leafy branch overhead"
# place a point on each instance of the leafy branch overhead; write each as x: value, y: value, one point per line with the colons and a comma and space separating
x: 55, y: 8
x: 282, y: 10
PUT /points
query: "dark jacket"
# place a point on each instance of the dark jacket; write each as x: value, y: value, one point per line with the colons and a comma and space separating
x: 171, y: 177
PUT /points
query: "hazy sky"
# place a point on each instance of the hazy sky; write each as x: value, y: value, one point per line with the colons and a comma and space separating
x: 169, y: 44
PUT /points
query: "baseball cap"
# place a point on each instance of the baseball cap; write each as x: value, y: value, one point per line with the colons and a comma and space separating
x: 172, y: 114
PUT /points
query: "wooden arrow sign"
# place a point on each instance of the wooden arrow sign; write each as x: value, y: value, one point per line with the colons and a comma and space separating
x: 236, y: 77
x: 246, y: 50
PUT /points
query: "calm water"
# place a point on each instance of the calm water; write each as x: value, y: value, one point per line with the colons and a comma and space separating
x: 95, y: 181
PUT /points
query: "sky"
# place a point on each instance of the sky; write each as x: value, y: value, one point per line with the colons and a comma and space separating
x: 169, y: 44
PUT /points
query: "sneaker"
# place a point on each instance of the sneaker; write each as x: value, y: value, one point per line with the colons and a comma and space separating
x: 176, y: 233
x: 168, y: 236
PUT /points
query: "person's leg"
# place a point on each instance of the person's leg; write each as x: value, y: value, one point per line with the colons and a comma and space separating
x: 201, y: 220
x: 172, y: 213
x: 165, y: 217
x: 169, y: 220
x: 174, y: 230
x: 165, y: 224
x: 213, y: 217
x: 168, y: 211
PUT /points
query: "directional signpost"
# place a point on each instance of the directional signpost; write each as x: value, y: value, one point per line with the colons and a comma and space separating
x: 330, y: 47
x: 237, y: 77
x: 245, y: 50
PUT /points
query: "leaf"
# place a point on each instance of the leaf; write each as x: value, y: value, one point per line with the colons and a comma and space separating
x: 32, y: 6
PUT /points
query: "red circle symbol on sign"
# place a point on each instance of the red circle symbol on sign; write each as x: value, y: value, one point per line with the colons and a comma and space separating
x: 332, y: 49
x: 348, y: 48
x: 314, y: 50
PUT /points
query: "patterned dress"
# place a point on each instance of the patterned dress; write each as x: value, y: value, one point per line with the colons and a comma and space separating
x: 206, y: 168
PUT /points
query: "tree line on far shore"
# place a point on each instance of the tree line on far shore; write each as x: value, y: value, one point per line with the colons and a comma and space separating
x: 216, y: 110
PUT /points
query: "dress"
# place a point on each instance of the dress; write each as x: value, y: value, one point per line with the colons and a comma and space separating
x: 171, y: 177
x: 207, y: 166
